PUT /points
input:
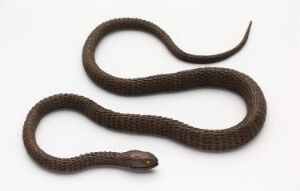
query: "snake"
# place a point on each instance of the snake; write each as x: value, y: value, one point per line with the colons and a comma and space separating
x: 214, y: 140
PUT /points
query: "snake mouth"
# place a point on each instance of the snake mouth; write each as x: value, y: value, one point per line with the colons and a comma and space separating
x: 145, y: 167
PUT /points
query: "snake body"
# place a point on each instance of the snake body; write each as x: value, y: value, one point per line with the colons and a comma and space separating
x: 203, y: 139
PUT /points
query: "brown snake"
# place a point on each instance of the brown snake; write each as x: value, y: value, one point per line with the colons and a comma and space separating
x: 212, y: 140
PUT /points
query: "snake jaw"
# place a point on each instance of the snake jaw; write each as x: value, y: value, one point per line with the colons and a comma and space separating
x: 140, y: 159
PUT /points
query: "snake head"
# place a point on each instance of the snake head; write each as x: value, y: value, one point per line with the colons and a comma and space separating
x: 140, y: 159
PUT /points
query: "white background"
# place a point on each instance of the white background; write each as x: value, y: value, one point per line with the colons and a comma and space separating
x: 40, y: 55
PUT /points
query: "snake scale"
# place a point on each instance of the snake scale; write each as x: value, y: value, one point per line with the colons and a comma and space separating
x: 203, y: 139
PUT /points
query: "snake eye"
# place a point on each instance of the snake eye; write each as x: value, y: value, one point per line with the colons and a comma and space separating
x: 148, y: 162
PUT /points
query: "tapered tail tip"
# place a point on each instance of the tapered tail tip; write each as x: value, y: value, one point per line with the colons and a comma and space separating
x: 250, y: 24
x: 248, y: 30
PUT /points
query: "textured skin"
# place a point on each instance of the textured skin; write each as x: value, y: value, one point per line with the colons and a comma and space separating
x: 212, y: 140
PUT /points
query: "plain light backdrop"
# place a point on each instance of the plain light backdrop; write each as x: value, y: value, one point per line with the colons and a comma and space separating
x: 40, y: 55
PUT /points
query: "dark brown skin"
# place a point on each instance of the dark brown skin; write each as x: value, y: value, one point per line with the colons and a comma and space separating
x: 210, y: 140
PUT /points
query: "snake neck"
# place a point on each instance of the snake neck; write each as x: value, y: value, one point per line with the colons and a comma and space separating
x: 104, y: 158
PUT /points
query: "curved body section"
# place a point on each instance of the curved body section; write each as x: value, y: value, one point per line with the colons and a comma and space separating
x: 132, y: 86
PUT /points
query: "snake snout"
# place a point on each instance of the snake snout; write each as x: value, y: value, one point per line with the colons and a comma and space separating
x: 141, y: 159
